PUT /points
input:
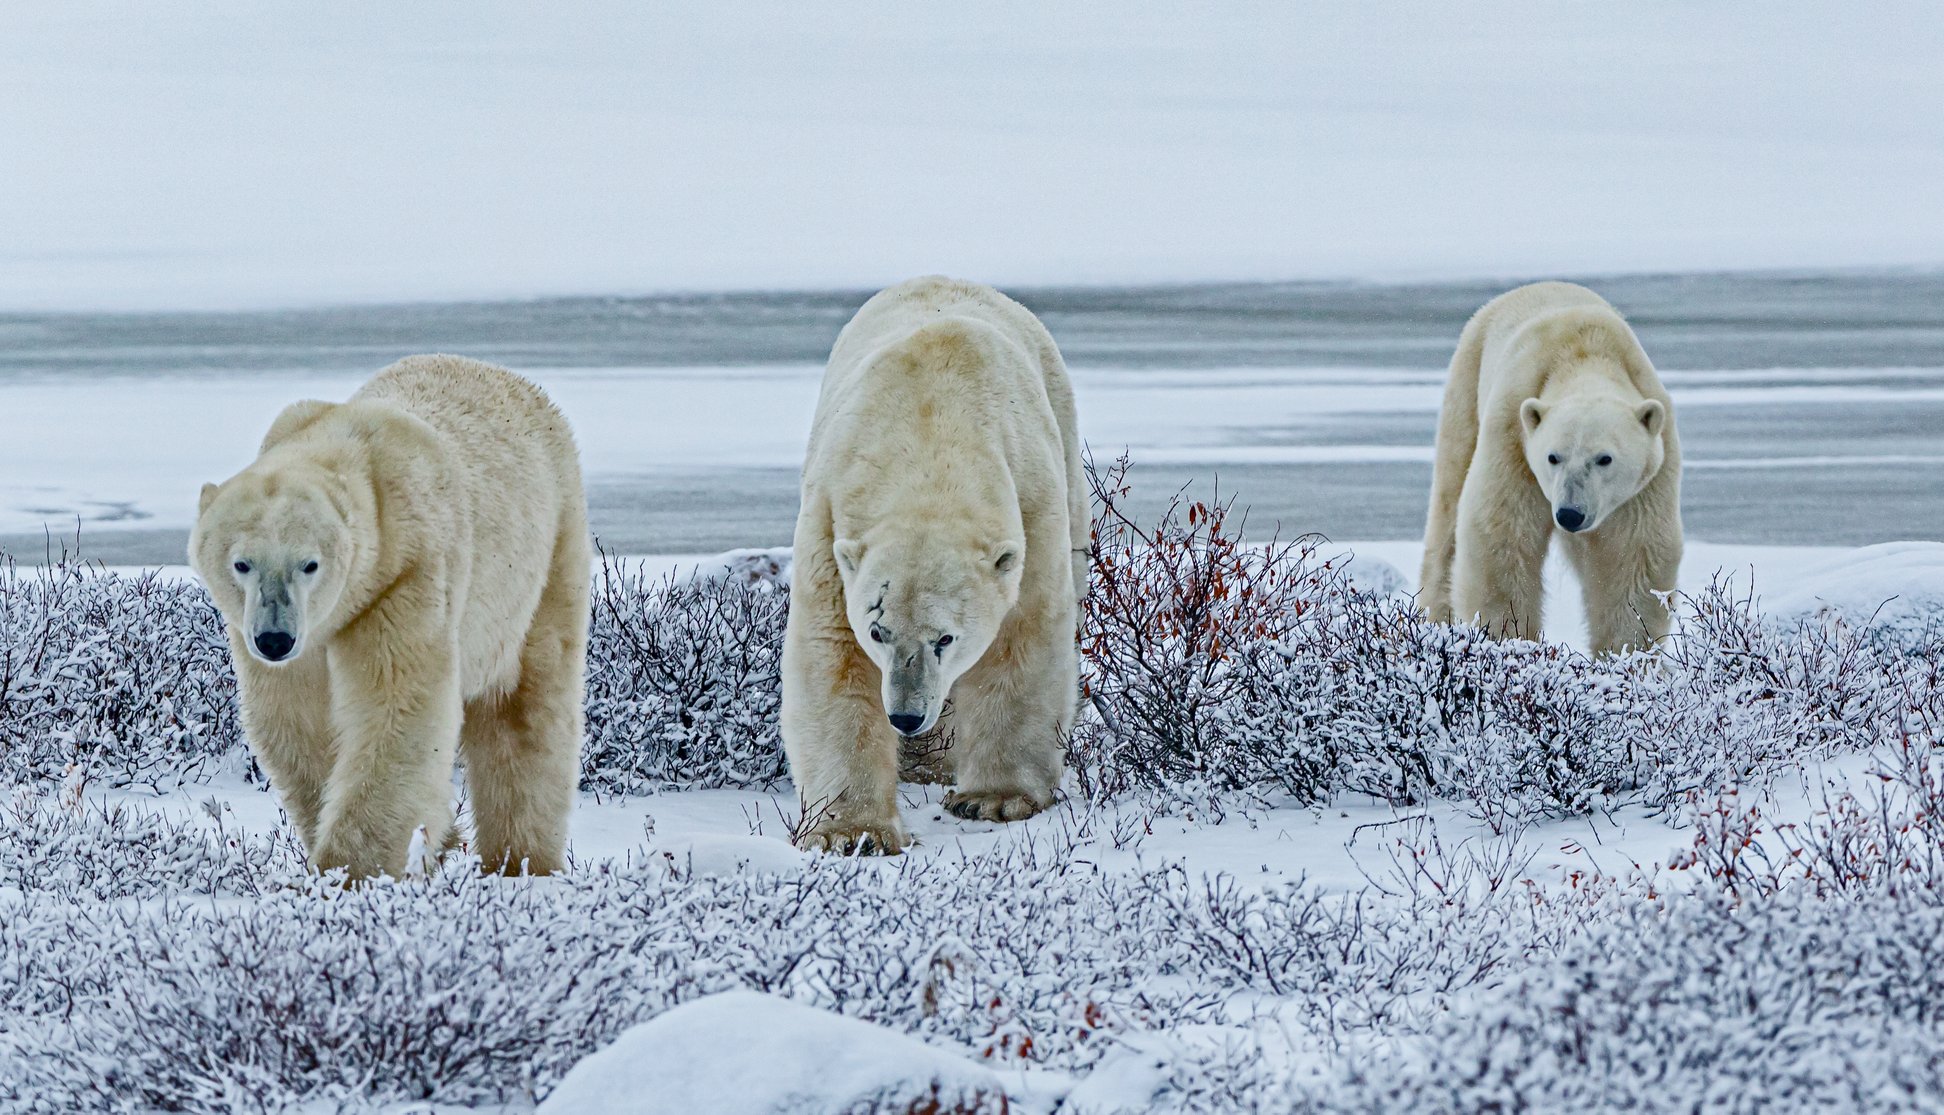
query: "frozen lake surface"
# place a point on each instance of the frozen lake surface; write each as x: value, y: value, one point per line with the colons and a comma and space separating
x: 1811, y: 406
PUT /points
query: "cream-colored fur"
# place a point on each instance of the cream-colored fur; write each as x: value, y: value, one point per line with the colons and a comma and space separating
x: 445, y: 613
x: 942, y: 496
x: 1553, y: 415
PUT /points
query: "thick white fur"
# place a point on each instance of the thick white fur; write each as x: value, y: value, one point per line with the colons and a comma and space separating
x: 942, y: 494
x: 448, y: 614
x: 1551, y: 370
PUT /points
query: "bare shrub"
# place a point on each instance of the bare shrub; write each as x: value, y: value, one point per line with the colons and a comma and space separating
x: 1174, y: 614
x: 684, y: 682
x: 126, y: 681
x: 1219, y: 668
x: 109, y: 678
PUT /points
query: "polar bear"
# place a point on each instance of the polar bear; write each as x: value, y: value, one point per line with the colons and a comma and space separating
x: 940, y: 552
x: 1554, y: 422
x: 404, y: 580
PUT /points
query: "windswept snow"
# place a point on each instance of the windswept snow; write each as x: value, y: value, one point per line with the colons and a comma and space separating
x: 745, y: 1053
x: 1896, y: 589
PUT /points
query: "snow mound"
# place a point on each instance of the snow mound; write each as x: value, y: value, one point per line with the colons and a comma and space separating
x: 746, y: 1053
x: 1894, y: 590
x: 1374, y: 575
x: 759, y: 565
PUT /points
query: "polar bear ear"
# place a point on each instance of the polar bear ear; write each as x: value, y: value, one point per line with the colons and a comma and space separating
x: 208, y: 497
x: 1005, y: 556
x: 294, y: 418
x: 1652, y: 415
x: 1530, y: 412
x: 848, y: 551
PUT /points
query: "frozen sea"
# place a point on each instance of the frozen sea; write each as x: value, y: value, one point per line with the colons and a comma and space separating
x: 1811, y: 406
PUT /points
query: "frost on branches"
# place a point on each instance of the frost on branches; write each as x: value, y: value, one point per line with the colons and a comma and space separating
x: 1215, y: 669
x: 126, y: 681
x: 1216, y: 666
x: 1789, y: 959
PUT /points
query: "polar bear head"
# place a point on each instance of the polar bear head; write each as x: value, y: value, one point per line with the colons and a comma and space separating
x: 1591, y: 456
x: 276, y: 551
x: 925, y: 608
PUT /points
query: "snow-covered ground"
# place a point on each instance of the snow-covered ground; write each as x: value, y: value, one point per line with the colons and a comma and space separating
x: 718, y: 830
x: 1179, y: 948
x: 797, y: 1046
x: 238, y: 154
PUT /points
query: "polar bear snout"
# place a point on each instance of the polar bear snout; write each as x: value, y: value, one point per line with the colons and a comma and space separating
x: 912, y: 696
x: 1570, y: 518
x: 913, y: 692
x: 274, y: 600
x: 274, y: 646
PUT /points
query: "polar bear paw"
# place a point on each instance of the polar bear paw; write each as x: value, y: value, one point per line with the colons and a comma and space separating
x: 993, y: 805
x: 856, y: 838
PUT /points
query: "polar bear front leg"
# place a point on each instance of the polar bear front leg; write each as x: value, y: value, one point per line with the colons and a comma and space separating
x: 1624, y: 583
x: 843, y: 752
x: 1499, y: 574
x: 395, y: 706
x: 287, y: 720
x: 1009, y: 731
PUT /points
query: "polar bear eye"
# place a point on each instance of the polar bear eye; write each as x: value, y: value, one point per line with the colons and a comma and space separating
x: 241, y: 567
x: 1552, y: 458
x: 877, y: 633
x: 943, y: 642
x: 1604, y: 460
x: 310, y: 567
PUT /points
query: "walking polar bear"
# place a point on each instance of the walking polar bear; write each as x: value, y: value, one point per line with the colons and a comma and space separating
x: 940, y: 551
x: 1554, y: 417
x: 404, y: 579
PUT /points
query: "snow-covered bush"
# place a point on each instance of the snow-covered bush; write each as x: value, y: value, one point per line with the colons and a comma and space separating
x: 683, y: 682
x: 465, y: 988
x: 1885, y: 835
x: 1744, y: 696
x: 126, y: 681
x: 72, y: 850
x: 110, y: 678
x: 1219, y: 667
x: 1177, y: 620
x: 1788, y: 1003
x: 469, y: 988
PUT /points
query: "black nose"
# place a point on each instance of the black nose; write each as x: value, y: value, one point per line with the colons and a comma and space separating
x: 907, y: 723
x: 1570, y: 518
x: 274, y: 645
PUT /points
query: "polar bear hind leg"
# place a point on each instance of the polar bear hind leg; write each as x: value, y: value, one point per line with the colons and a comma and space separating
x: 1457, y: 441
x: 523, y: 747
